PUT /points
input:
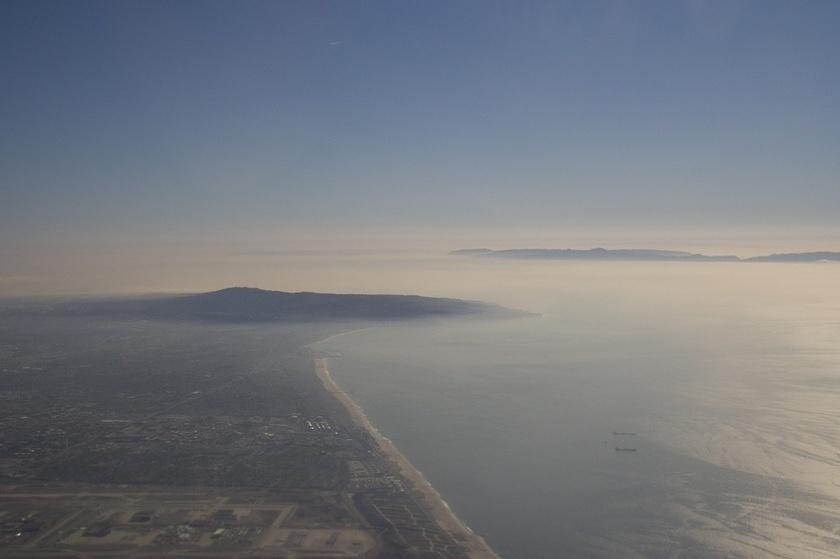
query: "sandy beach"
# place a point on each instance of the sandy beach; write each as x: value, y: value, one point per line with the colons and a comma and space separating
x: 434, y: 503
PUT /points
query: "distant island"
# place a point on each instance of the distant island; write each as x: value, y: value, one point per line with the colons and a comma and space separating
x: 643, y: 254
x: 249, y: 304
x: 798, y: 257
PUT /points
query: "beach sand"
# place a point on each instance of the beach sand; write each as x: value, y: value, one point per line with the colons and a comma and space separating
x: 433, y: 502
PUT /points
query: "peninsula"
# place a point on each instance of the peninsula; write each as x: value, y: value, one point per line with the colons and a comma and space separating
x: 203, y: 426
x: 250, y: 304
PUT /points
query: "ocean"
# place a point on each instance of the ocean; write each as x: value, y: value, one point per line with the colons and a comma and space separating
x: 652, y: 410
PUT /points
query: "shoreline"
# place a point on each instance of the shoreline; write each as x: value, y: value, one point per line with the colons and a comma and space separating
x: 440, y: 511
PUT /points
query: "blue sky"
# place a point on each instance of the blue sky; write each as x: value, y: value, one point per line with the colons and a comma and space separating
x: 181, y: 119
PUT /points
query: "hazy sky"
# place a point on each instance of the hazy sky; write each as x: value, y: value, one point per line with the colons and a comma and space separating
x: 129, y: 121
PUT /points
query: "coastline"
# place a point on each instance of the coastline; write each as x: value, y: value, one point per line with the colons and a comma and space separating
x: 477, y: 548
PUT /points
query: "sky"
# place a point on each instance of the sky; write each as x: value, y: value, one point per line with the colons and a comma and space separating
x: 272, y: 124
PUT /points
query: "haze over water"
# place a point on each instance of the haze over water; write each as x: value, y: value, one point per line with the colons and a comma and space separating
x: 728, y: 373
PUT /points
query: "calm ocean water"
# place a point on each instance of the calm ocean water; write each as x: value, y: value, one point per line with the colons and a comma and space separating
x: 729, y: 380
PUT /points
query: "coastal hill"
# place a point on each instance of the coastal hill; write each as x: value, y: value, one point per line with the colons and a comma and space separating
x: 639, y: 255
x: 248, y: 304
